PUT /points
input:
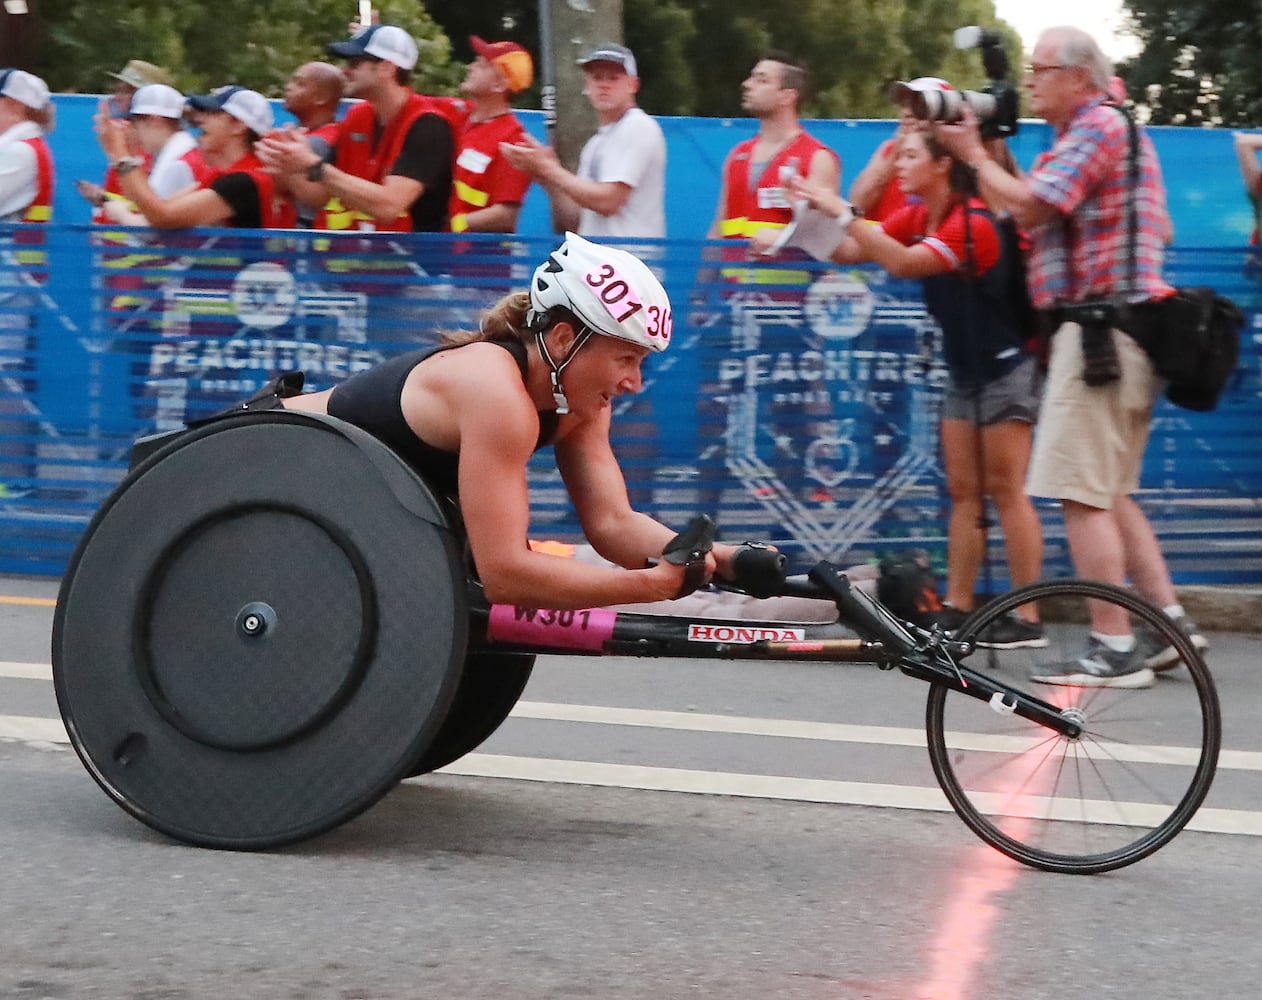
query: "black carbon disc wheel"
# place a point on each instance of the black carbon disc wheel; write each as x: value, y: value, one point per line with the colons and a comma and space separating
x: 261, y: 630
x: 1124, y: 787
x: 490, y: 685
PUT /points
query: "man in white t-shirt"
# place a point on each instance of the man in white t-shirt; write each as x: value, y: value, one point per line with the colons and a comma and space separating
x: 620, y: 186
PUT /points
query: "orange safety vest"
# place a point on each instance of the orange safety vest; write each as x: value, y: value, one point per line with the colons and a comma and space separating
x: 359, y: 156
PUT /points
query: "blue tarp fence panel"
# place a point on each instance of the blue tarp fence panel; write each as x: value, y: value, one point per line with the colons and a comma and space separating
x: 798, y: 403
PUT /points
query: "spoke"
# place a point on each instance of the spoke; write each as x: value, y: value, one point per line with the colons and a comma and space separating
x: 1134, y: 773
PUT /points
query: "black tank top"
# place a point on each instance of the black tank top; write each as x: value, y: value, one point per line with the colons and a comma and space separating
x: 372, y: 400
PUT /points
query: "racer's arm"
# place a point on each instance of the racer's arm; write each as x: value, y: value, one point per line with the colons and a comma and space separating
x: 495, y: 445
x: 598, y: 490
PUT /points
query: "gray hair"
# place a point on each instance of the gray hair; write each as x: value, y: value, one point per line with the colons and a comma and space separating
x: 1074, y: 47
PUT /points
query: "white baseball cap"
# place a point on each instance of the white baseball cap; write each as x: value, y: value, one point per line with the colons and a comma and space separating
x: 158, y: 99
x: 246, y: 106
x: 383, y: 41
x: 25, y: 88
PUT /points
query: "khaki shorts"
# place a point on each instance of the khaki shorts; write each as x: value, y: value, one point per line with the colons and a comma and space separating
x: 1089, y: 445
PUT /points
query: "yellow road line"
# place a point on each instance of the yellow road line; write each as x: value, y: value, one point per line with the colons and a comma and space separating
x: 39, y: 602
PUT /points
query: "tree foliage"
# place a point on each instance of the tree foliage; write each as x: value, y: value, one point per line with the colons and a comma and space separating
x: 205, y: 45
x: 694, y: 54
x: 1200, y: 63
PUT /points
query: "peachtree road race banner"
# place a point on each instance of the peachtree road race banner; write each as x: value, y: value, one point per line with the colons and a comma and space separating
x: 798, y: 403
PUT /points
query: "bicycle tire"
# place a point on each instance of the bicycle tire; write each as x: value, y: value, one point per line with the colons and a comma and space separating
x: 1112, y: 796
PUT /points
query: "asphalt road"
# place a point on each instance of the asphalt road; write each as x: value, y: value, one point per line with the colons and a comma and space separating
x: 568, y: 882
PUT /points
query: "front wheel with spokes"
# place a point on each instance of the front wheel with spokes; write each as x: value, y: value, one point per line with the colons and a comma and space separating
x: 1145, y: 754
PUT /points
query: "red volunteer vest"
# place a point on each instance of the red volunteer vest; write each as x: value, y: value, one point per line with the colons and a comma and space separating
x: 359, y: 156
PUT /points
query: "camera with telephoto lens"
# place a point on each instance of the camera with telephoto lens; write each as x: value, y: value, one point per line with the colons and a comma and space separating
x: 995, y: 105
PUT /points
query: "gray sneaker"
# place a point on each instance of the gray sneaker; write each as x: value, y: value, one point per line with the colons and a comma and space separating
x: 1099, y: 666
x: 1159, y: 654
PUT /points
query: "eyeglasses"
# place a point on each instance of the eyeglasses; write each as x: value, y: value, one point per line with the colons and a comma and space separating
x: 1035, y: 71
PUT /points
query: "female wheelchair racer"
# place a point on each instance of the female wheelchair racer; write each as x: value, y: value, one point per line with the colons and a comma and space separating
x: 271, y: 620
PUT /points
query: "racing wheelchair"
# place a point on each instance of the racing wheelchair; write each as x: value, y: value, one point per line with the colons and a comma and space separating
x: 272, y: 621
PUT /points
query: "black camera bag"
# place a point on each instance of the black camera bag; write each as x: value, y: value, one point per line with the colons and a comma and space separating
x: 1193, y: 340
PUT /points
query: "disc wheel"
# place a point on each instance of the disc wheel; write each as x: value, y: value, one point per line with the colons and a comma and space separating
x: 490, y: 685
x: 1107, y: 798
x: 261, y: 630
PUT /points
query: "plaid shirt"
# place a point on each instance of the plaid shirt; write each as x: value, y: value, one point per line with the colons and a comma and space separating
x: 1083, y: 255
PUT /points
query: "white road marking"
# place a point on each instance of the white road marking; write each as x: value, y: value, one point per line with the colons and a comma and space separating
x: 764, y: 786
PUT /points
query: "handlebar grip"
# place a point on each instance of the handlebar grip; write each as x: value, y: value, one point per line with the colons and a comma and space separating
x: 759, y: 571
x: 692, y: 543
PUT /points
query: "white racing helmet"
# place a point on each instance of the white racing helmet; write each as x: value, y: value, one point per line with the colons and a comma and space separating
x: 610, y: 291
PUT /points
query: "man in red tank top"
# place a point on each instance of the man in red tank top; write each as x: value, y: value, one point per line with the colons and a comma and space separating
x: 753, y: 198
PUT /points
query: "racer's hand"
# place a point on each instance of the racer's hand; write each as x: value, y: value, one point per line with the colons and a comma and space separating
x: 671, y: 581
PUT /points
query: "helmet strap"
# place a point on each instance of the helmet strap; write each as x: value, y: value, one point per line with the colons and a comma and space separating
x: 558, y: 391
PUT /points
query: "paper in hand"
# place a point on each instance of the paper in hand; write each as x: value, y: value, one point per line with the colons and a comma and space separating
x: 815, y: 232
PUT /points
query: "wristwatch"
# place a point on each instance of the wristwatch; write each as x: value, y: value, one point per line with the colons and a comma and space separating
x: 315, y: 172
x: 127, y: 164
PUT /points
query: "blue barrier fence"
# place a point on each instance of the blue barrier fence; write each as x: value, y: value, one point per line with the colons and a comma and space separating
x: 799, y: 405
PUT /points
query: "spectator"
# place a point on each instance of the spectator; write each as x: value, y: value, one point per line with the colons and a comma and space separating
x: 620, y: 187
x: 1075, y: 203
x: 876, y: 193
x: 1247, y: 145
x: 242, y: 193
x: 390, y: 168
x: 312, y: 95
x: 487, y: 190
x: 753, y: 197
x: 176, y: 163
x: 26, y: 164
x: 136, y: 74
x: 951, y: 243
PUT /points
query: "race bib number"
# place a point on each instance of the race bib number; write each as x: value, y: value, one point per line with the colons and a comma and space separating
x: 585, y: 630
x: 614, y: 292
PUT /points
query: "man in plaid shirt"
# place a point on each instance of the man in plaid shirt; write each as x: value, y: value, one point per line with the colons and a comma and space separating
x: 1091, y: 437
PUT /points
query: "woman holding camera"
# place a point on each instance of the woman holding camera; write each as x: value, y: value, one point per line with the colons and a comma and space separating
x: 953, y: 245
